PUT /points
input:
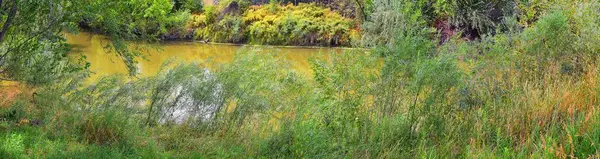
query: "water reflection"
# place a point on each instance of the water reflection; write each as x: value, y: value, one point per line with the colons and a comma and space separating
x: 104, y: 63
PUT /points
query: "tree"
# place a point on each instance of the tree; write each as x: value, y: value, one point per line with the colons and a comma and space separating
x: 31, y: 45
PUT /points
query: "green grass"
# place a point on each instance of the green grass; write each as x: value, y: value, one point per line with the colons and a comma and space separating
x: 516, y: 94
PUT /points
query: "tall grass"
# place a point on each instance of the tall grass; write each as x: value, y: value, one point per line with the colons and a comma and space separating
x: 515, y: 94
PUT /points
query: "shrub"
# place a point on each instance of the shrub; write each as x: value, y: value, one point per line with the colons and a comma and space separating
x: 305, y: 24
x: 14, y: 112
x: 229, y: 29
x: 563, y: 37
x: 255, y: 84
x: 480, y: 17
x: 150, y: 19
x: 551, y: 36
x: 341, y: 91
x: 183, y: 94
x: 531, y: 11
x: 507, y: 95
x: 195, y: 6
x: 12, y: 146
x: 390, y: 18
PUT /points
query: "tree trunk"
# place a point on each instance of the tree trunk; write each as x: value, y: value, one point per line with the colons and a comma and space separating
x: 9, y: 19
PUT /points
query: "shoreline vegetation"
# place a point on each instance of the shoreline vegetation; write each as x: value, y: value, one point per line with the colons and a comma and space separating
x: 304, y: 24
x: 441, y: 79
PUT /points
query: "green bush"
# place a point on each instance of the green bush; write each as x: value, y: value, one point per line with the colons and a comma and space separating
x: 305, y: 24
x: 257, y: 83
x: 194, y: 6
x: 149, y: 19
x: 551, y: 36
x: 14, y: 112
x: 390, y: 18
x: 480, y: 17
x: 12, y: 146
x: 183, y: 87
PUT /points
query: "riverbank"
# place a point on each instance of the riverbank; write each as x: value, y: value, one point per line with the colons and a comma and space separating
x: 237, y: 22
x: 529, y: 90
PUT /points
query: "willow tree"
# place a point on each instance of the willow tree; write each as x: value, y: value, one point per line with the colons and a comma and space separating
x: 32, y: 48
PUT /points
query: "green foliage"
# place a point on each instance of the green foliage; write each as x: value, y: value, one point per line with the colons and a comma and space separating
x: 532, y: 10
x: 14, y: 112
x: 194, y: 6
x: 521, y: 93
x: 104, y: 112
x: 482, y: 16
x: 257, y: 83
x: 33, y: 49
x: 105, y: 128
x: 304, y: 24
x: 227, y: 29
x: 342, y: 88
x: 473, y: 17
x: 551, y: 36
x: 390, y: 18
x: 203, y: 20
x: 12, y: 146
x: 187, y: 85
x: 232, y: 6
x: 564, y: 35
x: 302, y: 139
x: 147, y: 20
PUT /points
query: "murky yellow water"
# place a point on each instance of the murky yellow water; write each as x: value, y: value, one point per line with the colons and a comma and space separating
x: 104, y: 63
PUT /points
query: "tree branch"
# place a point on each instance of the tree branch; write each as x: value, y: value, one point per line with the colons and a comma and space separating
x: 9, y: 19
x: 361, y: 9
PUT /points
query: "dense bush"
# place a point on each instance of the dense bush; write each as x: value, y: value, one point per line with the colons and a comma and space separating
x: 148, y: 19
x: 304, y: 24
x: 229, y: 29
x: 231, y: 21
x: 193, y: 6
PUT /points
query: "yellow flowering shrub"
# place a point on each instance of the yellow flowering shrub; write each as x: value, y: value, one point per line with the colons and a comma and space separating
x: 304, y: 24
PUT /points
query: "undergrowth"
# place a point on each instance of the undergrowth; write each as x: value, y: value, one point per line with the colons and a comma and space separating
x: 519, y: 93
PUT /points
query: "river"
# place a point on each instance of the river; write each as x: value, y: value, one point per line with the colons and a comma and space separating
x: 104, y: 63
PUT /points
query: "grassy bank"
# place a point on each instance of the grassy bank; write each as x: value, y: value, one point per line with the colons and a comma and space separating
x: 529, y: 89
